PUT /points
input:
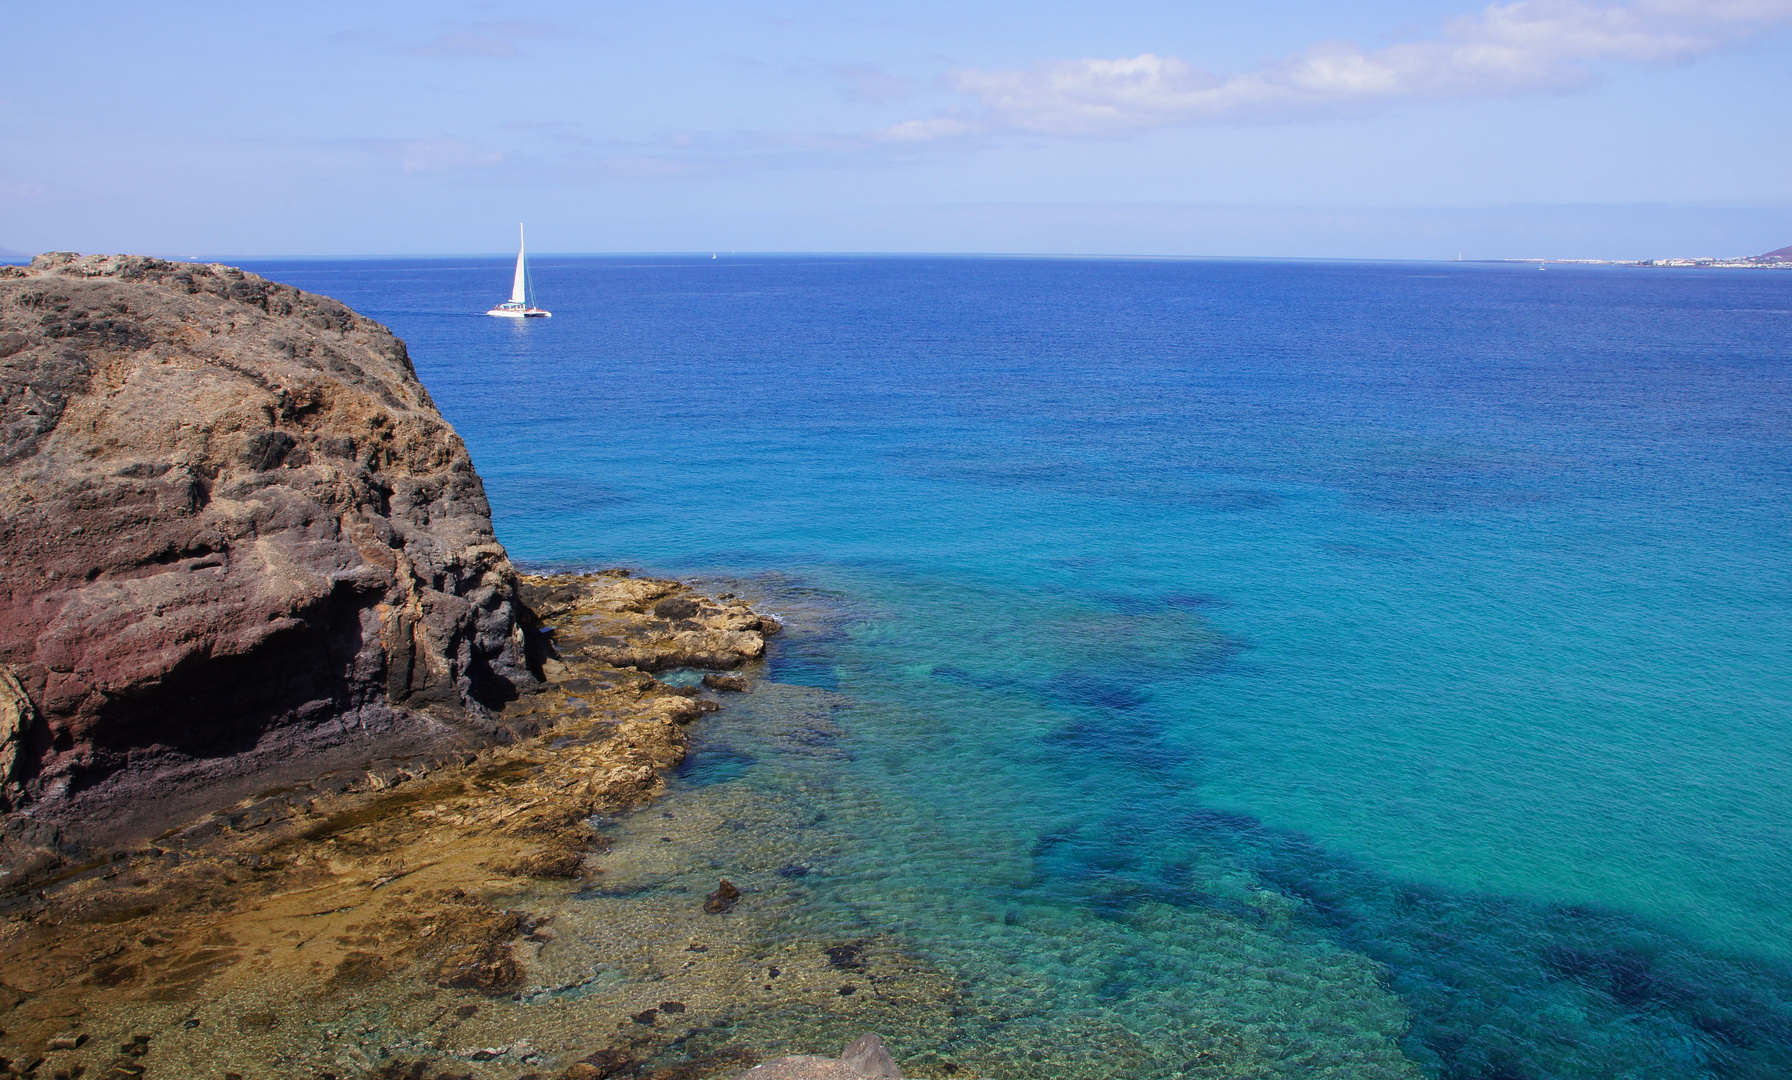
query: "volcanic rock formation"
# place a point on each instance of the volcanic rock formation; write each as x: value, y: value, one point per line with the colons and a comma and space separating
x: 239, y: 543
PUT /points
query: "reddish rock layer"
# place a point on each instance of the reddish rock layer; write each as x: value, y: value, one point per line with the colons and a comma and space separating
x: 239, y: 542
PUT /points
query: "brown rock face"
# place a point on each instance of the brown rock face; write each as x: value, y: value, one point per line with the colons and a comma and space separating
x: 239, y: 542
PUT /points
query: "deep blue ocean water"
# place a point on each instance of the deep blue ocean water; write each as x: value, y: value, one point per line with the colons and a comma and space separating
x: 1343, y: 651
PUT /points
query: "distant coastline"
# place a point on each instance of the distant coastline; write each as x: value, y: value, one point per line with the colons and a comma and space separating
x: 1772, y: 260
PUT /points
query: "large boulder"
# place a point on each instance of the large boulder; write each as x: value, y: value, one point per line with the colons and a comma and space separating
x: 239, y: 544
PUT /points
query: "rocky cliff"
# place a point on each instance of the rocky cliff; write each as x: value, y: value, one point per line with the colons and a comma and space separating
x: 239, y: 544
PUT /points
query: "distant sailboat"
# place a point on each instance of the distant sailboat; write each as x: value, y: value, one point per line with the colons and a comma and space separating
x: 518, y: 306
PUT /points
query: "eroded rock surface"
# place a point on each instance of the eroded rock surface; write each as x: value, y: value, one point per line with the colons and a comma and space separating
x: 238, y: 543
x: 461, y: 916
x: 650, y: 624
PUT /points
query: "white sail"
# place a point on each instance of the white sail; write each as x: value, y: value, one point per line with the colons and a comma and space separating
x: 518, y: 306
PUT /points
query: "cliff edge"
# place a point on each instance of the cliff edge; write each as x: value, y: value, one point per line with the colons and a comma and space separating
x: 239, y: 543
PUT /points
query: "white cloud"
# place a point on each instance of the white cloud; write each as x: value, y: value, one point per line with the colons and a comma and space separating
x: 1523, y: 47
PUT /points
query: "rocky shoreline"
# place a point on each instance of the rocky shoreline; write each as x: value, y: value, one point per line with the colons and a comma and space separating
x: 302, y: 779
x: 393, y: 883
x: 462, y: 918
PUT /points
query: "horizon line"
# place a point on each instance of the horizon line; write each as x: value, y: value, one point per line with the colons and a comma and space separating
x: 8, y: 257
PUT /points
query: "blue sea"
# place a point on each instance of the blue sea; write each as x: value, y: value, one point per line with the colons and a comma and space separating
x: 1339, y: 656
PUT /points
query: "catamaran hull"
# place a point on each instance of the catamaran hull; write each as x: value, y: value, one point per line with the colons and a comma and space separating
x: 513, y: 314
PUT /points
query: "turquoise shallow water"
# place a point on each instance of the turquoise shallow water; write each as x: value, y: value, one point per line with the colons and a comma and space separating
x: 1358, y: 651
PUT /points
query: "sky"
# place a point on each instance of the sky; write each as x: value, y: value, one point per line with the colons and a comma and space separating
x: 1281, y: 128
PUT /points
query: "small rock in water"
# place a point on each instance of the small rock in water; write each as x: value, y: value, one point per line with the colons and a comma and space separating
x: 868, y: 1057
x: 646, y: 1016
x: 725, y: 897
x: 717, y: 681
x: 672, y: 1007
x: 847, y: 957
x: 68, y: 1040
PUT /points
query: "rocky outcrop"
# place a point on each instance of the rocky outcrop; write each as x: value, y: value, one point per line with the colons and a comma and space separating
x: 424, y: 892
x: 649, y: 623
x: 239, y: 543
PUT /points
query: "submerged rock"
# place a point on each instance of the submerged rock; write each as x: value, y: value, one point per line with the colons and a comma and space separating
x: 802, y: 1067
x: 239, y: 542
x: 865, y: 1058
x: 725, y: 897
x: 849, y: 957
x: 868, y: 1056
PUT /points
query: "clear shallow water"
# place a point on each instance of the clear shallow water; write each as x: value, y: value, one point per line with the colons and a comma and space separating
x: 1435, y: 618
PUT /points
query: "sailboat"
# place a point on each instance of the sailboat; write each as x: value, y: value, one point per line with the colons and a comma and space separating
x: 518, y: 306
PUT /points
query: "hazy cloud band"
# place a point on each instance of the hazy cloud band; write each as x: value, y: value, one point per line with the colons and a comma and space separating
x: 1506, y: 49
